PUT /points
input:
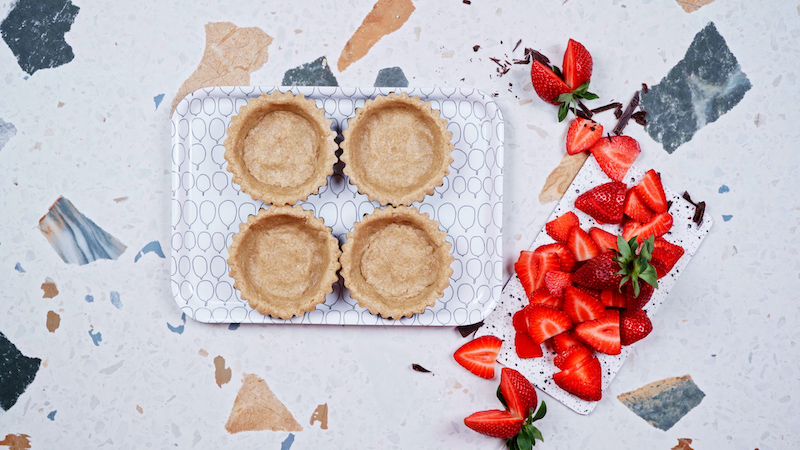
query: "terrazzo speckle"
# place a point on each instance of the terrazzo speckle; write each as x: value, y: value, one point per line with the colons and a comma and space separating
x: 7, y: 131
x: 157, y: 100
x: 151, y: 247
x: 663, y: 403
x: 387, y: 16
x: 96, y: 336
x: 287, y: 443
x: 315, y: 73
x: 17, y: 441
x: 18, y: 268
x: 391, y: 77
x: 115, y: 300
x: 52, y: 415
x: 17, y: 371
x: 178, y: 328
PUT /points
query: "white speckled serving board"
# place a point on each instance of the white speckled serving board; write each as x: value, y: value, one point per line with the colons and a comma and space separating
x: 207, y: 207
x: 540, y: 370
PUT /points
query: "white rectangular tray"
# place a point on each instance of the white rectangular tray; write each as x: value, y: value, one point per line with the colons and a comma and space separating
x: 207, y: 207
x: 540, y: 371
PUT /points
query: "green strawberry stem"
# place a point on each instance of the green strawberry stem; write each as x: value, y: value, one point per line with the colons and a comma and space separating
x: 566, y: 100
x: 634, y: 262
x: 528, y: 434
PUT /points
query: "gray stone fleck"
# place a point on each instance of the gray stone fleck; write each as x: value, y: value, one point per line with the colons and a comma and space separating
x: 391, y: 77
x: 315, y: 73
x: 663, y: 403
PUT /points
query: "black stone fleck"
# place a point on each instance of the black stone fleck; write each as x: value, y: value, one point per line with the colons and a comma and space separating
x: 17, y: 371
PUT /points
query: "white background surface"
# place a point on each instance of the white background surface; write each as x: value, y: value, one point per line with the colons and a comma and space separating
x: 731, y: 320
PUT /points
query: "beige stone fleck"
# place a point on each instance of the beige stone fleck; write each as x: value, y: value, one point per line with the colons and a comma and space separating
x: 257, y: 408
x: 560, y: 178
x: 386, y: 17
x: 693, y: 5
x: 53, y: 321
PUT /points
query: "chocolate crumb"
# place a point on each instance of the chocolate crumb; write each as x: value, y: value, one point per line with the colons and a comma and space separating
x: 475, y: 48
x: 626, y: 116
x: 538, y: 56
x: 419, y: 368
x: 467, y: 2
x: 466, y: 330
x: 669, y: 204
x: 645, y: 89
x: 618, y: 112
x: 614, y: 105
x: 495, y: 94
x: 639, y: 117
x: 699, y: 212
x: 515, y: 47
x: 688, y: 198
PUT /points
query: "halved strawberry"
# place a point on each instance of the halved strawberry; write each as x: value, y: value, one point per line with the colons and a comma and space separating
x: 603, y: 202
x: 559, y: 228
x: 581, y: 306
x: 546, y: 83
x: 661, y: 268
x: 518, y: 392
x: 525, y: 347
x: 659, y: 225
x: 577, y: 64
x: 572, y: 356
x: 582, y: 135
x: 556, y: 281
x: 545, y: 322
x: 669, y: 246
x: 616, y: 154
x: 666, y: 253
x: 635, y: 303
x: 598, y: 273
x: 601, y: 334
x: 495, y: 423
x: 479, y: 355
x: 562, y: 341
x: 604, y: 240
x: 593, y: 292
x: 651, y: 191
x: 565, y: 258
x: 583, y: 381
x: 634, y: 326
x: 581, y: 245
x: 613, y: 298
x: 519, y: 321
x: 635, y: 208
x: 542, y: 296
x: 531, y: 268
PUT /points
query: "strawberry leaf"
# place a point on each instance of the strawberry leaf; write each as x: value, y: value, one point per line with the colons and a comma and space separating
x: 540, y: 413
x: 563, y: 110
x: 558, y: 73
x: 536, y: 435
x: 524, y: 440
x: 501, y: 398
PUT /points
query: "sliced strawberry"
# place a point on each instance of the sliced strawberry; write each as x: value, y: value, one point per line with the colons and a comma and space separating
x: 604, y: 240
x: 581, y: 306
x: 565, y: 258
x: 669, y: 246
x: 583, y: 381
x: 601, y: 334
x: 495, y: 423
x: 581, y: 245
x: 613, y: 298
x: 518, y: 392
x: 525, y: 347
x: 604, y: 202
x: 556, y: 281
x: 651, y: 191
x: 542, y: 296
x: 479, y: 355
x: 582, y: 135
x: 559, y: 228
x: 666, y: 253
x: 561, y: 342
x: 577, y: 64
x: 634, y: 326
x: 635, y: 303
x: 598, y: 273
x: 593, y: 292
x: 546, y: 83
x: 635, y: 208
x: 572, y: 356
x: 661, y: 269
x: 616, y: 154
x: 519, y: 321
x: 527, y: 269
x: 545, y: 322
x: 659, y: 225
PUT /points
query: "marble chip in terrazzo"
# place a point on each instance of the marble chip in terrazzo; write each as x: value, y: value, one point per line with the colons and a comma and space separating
x: 663, y: 403
x: 391, y: 77
x: 17, y: 371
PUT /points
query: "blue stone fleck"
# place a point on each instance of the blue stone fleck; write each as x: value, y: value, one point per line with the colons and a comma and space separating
x: 287, y: 443
x: 34, y: 31
x: 663, y: 403
x: 179, y: 328
x: 7, y: 131
x: 75, y: 238
x: 52, y: 415
x: 391, y: 77
x: 19, y: 268
x: 723, y: 189
x: 234, y: 326
x: 151, y: 247
x: 89, y: 298
x: 17, y: 371
x: 96, y: 337
x: 704, y: 85
x: 727, y: 217
x: 115, y: 300
x: 315, y: 73
x: 158, y: 98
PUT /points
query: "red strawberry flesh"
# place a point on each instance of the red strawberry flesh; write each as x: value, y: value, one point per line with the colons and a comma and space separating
x: 604, y: 202
x: 479, y: 355
x: 559, y: 228
x: 545, y: 322
x: 518, y: 392
x: 601, y: 334
x: 495, y: 423
x: 584, y: 380
x: 577, y: 64
x: 615, y: 155
x: 546, y: 83
x: 582, y: 135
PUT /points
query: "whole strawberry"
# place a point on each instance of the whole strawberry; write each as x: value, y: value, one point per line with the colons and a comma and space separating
x: 634, y: 326
x: 599, y: 272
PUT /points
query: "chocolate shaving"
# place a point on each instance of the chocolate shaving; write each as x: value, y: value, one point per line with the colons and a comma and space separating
x: 475, y: 48
x: 419, y: 368
x: 466, y: 330
x: 645, y: 89
x: 688, y: 198
x: 536, y: 56
x: 515, y: 47
x: 467, y: 2
x: 497, y: 61
x: 626, y: 116
x: 586, y: 111
x: 699, y: 209
x: 614, y: 105
x: 580, y: 113
x: 639, y: 117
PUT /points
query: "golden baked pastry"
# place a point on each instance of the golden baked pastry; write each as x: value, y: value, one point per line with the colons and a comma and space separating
x: 284, y: 261
x: 280, y: 148
x: 396, y: 262
x: 397, y: 149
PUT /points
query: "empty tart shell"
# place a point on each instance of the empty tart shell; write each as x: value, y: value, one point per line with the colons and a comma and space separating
x: 280, y: 148
x: 397, y: 149
x: 284, y: 261
x: 396, y: 262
